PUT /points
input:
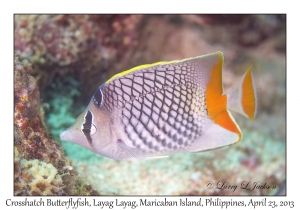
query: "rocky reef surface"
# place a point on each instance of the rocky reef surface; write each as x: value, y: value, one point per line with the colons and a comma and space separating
x: 71, y: 55
x: 40, y: 167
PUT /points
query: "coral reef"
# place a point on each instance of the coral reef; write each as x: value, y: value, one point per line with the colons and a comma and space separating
x: 40, y: 167
x: 73, y: 54
x: 83, y: 45
x: 41, y: 177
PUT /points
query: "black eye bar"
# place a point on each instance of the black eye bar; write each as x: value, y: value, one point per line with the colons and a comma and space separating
x: 87, y: 126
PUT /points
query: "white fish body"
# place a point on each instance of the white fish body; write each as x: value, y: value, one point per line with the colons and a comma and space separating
x: 155, y: 110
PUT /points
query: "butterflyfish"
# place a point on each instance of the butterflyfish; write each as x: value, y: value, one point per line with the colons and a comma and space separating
x: 154, y: 110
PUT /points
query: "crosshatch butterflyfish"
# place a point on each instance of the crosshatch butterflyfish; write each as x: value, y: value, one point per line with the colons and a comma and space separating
x: 159, y: 109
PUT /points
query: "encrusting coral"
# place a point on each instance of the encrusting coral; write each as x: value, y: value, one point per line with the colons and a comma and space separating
x: 84, y: 45
x: 41, y: 177
x: 40, y: 167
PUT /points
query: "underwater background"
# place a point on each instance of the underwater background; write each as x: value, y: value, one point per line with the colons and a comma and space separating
x: 60, y: 60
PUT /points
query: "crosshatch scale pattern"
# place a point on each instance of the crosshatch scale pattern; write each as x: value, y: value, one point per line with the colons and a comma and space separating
x: 162, y: 107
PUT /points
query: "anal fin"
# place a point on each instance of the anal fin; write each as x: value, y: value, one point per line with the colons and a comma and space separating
x: 225, y: 120
x: 223, y: 131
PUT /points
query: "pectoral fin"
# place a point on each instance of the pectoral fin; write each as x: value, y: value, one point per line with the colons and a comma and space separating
x: 136, y: 152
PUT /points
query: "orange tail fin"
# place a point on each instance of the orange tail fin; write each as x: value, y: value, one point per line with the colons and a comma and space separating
x: 243, y: 97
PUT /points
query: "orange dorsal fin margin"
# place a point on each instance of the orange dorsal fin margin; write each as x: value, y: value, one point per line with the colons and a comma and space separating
x: 216, y: 102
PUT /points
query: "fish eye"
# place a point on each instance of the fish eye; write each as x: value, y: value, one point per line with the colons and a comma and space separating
x: 98, y: 97
x: 93, y: 130
x: 90, y: 131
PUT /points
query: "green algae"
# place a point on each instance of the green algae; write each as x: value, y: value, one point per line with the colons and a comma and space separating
x: 61, y: 96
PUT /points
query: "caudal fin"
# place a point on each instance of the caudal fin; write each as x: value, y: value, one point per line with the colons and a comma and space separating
x: 243, y: 97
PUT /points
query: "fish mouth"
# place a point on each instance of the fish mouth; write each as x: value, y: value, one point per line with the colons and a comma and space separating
x: 65, y: 135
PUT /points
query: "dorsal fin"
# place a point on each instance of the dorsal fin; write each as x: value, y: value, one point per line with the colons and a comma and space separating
x: 206, y: 61
x: 215, y: 100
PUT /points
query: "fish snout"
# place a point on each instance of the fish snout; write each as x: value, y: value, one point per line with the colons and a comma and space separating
x: 65, y: 136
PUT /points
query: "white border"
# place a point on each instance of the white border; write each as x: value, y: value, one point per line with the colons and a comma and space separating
x: 293, y: 75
